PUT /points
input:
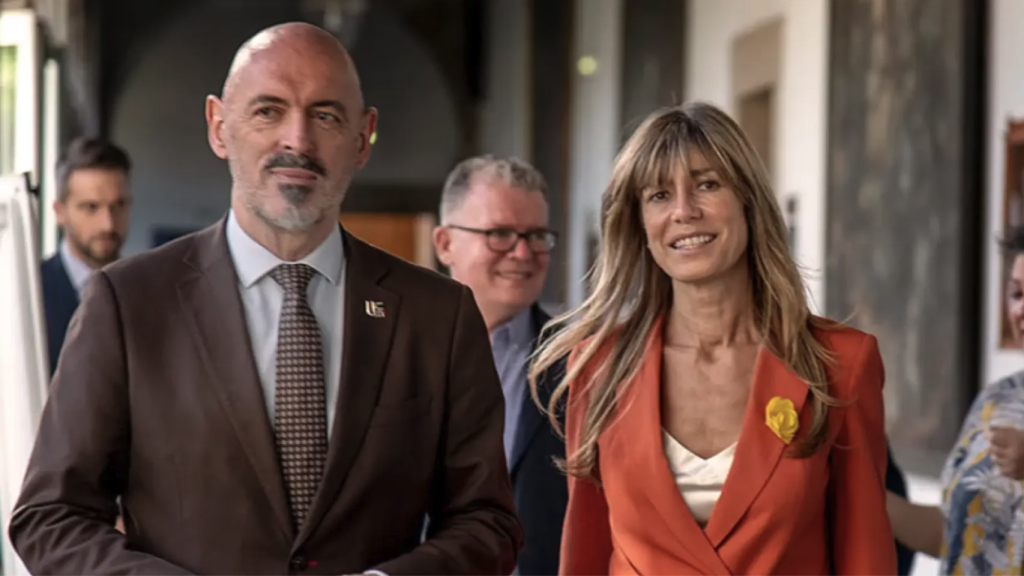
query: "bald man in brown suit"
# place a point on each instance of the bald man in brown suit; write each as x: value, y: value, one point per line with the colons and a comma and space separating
x: 271, y: 395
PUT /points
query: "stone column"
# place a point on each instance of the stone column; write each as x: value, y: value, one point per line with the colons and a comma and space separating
x: 905, y: 190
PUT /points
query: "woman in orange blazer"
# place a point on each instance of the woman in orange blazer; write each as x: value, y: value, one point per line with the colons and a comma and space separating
x: 713, y: 424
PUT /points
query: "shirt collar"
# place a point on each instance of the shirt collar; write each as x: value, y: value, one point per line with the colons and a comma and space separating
x: 253, y: 261
x: 516, y: 331
x: 78, y: 271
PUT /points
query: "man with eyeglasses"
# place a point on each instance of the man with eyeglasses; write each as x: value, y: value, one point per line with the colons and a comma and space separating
x: 494, y: 238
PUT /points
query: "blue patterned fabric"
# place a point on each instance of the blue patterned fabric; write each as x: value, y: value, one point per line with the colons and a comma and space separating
x: 984, y: 510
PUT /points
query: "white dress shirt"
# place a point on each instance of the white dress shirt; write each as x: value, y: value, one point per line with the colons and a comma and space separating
x: 262, y: 299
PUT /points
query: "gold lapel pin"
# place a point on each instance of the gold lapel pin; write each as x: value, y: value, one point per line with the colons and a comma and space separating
x: 375, y: 309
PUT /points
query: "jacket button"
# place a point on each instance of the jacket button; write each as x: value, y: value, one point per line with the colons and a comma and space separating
x: 299, y: 563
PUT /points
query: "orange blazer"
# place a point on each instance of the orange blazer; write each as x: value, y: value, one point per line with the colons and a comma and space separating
x: 772, y: 516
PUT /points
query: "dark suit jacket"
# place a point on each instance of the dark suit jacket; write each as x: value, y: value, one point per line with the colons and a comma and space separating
x: 60, y: 299
x: 157, y: 399
x: 541, y: 490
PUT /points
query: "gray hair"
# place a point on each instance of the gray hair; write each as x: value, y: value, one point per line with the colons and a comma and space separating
x: 510, y: 171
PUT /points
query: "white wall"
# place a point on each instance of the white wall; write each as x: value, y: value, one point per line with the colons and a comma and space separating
x: 1006, y: 101
x: 596, y: 111
x: 158, y: 116
x: 801, y: 102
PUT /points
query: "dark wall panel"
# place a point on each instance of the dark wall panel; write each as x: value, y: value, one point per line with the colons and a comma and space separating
x: 551, y: 37
x: 652, y: 58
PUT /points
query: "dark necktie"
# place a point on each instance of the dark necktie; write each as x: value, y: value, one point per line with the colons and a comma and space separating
x: 300, y: 421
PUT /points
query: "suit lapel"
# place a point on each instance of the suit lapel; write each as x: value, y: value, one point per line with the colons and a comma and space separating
x: 216, y: 318
x: 531, y: 417
x: 530, y: 420
x: 371, y: 314
x: 65, y: 286
x: 759, y: 449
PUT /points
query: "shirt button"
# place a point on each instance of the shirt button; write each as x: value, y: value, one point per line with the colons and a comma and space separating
x: 299, y: 563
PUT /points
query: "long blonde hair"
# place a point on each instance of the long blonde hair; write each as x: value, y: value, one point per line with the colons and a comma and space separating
x: 629, y: 292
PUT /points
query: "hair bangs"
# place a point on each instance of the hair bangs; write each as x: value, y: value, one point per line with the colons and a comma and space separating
x: 664, y: 155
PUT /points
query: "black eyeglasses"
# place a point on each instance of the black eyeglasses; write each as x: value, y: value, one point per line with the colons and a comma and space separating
x: 503, y: 240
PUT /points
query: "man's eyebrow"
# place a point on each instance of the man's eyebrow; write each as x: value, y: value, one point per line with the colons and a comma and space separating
x: 264, y: 99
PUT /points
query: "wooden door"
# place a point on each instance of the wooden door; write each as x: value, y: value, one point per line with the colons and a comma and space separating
x: 408, y: 236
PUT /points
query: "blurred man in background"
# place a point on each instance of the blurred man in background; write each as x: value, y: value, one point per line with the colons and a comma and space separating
x: 494, y: 238
x: 92, y: 206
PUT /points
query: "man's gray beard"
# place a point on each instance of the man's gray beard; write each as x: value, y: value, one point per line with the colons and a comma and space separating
x: 294, y: 218
x: 295, y: 193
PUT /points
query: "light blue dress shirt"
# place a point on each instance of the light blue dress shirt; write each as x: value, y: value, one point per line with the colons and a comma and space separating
x: 511, y: 345
x: 78, y: 271
x: 262, y: 299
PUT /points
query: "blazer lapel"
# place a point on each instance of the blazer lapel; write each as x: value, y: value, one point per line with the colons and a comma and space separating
x: 216, y: 318
x: 643, y: 452
x: 759, y: 449
x: 371, y: 314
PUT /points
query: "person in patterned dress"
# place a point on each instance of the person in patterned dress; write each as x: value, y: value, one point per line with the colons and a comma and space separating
x: 979, y: 527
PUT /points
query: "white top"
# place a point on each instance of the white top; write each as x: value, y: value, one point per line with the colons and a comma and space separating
x: 699, y: 481
x: 263, y: 298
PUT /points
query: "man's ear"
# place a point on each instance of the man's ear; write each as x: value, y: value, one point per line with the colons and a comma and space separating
x: 366, y: 133
x: 60, y: 210
x: 215, y: 126
x: 442, y: 245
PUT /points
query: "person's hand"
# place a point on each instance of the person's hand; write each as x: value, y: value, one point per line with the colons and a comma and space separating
x: 1006, y: 447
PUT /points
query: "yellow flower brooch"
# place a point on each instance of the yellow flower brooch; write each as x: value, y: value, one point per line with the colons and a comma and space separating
x: 781, y: 417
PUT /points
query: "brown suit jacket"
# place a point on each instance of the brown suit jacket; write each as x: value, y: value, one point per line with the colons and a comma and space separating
x: 156, y: 399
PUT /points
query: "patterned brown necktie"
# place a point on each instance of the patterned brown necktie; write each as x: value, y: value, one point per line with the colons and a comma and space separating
x: 300, y: 421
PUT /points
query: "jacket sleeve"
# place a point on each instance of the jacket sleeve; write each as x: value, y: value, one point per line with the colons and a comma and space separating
x: 63, y: 522
x: 586, y: 534
x: 862, y: 539
x: 474, y: 528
